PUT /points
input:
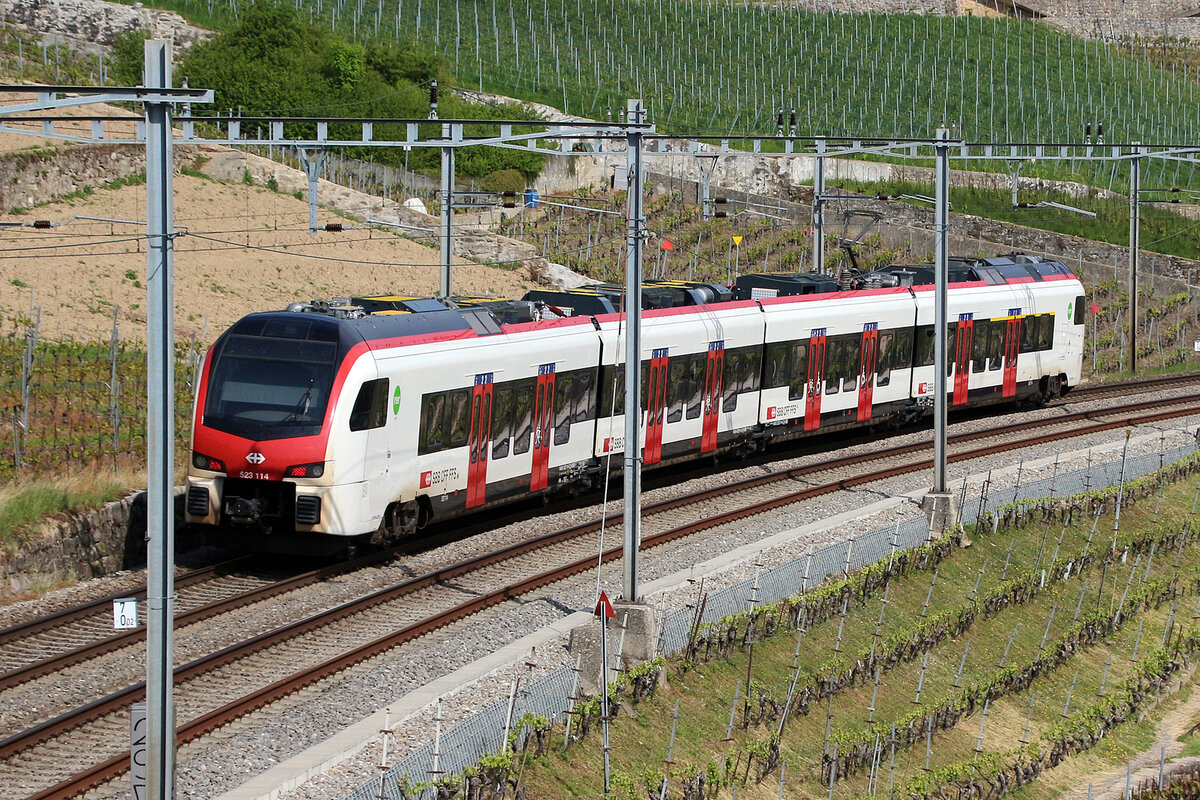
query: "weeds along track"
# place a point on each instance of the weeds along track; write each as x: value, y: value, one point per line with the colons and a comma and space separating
x: 56, y: 757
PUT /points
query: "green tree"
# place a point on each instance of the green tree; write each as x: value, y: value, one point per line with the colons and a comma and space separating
x: 127, y: 58
x: 271, y: 62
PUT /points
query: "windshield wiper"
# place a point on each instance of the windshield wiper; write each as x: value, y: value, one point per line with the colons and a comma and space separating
x: 301, y: 406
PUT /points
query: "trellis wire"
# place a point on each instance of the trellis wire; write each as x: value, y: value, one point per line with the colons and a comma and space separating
x: 550, y: 695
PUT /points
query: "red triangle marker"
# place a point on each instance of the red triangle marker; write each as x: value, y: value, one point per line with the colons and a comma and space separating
x: 1095, y: 307
x: 604, y: 607
x: 666, y: 245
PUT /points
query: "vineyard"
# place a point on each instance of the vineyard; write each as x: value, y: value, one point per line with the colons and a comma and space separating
x: 726, y: 66
x: 939, y: 672
x: 70, y: 408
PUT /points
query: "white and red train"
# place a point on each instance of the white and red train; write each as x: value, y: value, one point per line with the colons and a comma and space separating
x: 332, y: 423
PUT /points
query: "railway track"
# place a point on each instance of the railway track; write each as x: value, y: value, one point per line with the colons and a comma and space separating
x: 216, y: 689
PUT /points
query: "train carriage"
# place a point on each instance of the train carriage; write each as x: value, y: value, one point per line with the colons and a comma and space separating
x: 363, y: 419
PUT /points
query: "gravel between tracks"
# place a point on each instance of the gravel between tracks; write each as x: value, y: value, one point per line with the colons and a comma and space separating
x: 253, y: 745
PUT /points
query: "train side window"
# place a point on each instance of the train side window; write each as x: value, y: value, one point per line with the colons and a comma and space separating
x: 458, y: 405
x: 799, y: 371
x: 1080, y: 313
x: 1045, y: 339
x: 996, y: 339
x: 694, y: 383
x: 370, y: 407
x: 676, y: 389
x: 979, y: 345
x: 902, y: 352
x: 730, y: 379
x: 564, y: 407
x: 883, y: 359
x: 612, y: 391
x: 926, y: 344
x: 834, y: 354
x: 777, y: 372
x: 852, y: 361
x: 432, y: 409
x: 951, y: 346
x: 585, y: 397
x: 1028, y: 334
x: 502, y: 408
x: 523, y: 415
x: 751, y: 369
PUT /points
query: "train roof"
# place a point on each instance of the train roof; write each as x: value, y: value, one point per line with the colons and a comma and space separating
x: 389, y: 316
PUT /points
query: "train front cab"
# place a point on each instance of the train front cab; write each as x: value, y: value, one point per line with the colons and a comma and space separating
x: 284, y: 419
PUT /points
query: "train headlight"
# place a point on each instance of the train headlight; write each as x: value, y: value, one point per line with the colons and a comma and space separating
x: 201, y: 461
x: 313, y: 470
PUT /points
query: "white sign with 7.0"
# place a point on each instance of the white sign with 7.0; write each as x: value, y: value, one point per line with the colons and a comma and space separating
x: 125, y: 613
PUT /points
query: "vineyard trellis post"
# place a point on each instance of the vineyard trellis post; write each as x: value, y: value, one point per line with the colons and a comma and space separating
x: 31, y: 337
x: 114, y: 385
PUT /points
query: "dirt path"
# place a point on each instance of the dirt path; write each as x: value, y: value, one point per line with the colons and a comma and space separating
x: 1143, y: 767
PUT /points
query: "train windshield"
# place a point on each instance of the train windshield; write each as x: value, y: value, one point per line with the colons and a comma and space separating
x: 273, y: 380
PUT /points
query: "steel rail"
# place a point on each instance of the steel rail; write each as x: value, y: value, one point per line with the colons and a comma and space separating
x: 75, y: 613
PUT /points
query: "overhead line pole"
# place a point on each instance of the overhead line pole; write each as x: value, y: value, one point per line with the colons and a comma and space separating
x: 941, y: 277
x: 160, y: 432
x: 633, y: 352
x: 818, y: 210
x: 447, y: 231
x: 1135, y: 188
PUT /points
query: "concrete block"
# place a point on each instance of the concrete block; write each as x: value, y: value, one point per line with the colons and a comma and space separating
x: 638, y: 624
x: 943, y: 516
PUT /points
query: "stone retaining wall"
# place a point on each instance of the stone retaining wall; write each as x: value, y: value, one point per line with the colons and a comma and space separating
x: 1111, y: 29
x: 31, y: 177
x: 89, y: 545
x: 80, y: 547
x: 94, y: 23
x: 1127, y: 9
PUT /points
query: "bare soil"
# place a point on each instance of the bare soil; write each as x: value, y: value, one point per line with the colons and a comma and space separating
x: 245, y: 248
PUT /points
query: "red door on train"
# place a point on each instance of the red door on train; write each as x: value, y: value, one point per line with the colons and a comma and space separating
x: 656, y: 407
x: 962, y: 357
x: 1012, y: 346
x: 866, y: 369
x: 543, y: 417
x: 480, y: 442
x: 815, y: 386
x: 711, y: 404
